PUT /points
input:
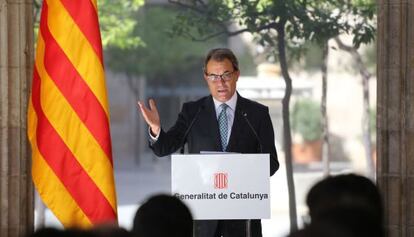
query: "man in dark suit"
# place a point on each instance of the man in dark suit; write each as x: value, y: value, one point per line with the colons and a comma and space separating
x: 223, y: 121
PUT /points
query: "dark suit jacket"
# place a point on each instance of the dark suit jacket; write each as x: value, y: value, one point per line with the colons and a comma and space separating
x: 204, y: 135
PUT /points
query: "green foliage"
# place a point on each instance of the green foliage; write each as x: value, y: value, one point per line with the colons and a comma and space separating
x: 312, y: 58
x: 370, y: 56
x: 115, y: 19
x: 306, y: 120
x: 117, y: 23
x: 363, y: 17
x: 163, y: 56
x: 303, y: 20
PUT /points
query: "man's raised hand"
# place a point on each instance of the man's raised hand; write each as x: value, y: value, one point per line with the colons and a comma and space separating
x: 151, y: 116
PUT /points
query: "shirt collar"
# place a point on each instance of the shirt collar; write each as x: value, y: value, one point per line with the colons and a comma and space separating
x: 231, y: 102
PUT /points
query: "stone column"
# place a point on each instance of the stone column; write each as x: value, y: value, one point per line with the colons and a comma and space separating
x: 16, y: 60
x: 395, y: 167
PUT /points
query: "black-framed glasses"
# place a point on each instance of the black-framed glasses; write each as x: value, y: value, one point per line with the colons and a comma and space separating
x: 227, y: 76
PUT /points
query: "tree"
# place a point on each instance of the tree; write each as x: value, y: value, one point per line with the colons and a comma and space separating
x: 276, y: 25
x: 366, y: 121
x: 164, y: 59
x: 360, y: 23
x: 116, y: 22
x: 363, y: 30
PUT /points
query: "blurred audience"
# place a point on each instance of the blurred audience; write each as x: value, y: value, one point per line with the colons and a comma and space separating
x: 108, y: 230
x: 98, y: 231
x: 321, y: 229
x: 163, y: 216
x: 344, y: 205
x: 159, y: 216
x: 47, y: 232
x: 53, y: 232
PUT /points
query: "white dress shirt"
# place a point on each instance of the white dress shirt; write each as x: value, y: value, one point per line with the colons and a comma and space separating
x: 231, y: 109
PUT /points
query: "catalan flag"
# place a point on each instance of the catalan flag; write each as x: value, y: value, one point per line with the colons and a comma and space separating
x: 68, y: 117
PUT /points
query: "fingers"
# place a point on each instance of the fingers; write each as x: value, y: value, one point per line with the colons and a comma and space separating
x: 139, y: 105
x: 152, y: 105
x: 143, y: 109
x: 150, y: 114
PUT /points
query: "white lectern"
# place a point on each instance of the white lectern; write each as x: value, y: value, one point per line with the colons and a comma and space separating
x: 223, y: 186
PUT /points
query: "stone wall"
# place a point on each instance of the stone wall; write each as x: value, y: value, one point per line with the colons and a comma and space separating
x: 16, y: 60
x: 395, y: 168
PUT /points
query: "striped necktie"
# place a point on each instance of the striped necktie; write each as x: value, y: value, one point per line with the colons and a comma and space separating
x: 223, y: 125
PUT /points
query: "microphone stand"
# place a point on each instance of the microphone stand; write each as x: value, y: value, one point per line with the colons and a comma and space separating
x: 254, y: 131
x: 248, y: 228
x: 248, y: 222
x: 189, y: 128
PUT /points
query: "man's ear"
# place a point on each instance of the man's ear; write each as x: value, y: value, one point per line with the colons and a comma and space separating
x: 237, y: 74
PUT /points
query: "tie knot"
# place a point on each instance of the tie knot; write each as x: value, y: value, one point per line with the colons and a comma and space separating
x: 224, y: 106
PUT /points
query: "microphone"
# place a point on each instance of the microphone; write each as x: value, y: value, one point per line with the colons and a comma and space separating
x: 244, y: 114
x: 189, y: 128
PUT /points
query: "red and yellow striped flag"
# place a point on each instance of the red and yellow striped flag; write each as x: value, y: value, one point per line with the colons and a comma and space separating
x: 68, y: 117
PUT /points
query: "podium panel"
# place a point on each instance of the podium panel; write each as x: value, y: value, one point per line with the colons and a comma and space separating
x: 223, y: 186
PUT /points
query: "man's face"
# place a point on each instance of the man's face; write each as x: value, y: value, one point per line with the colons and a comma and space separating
x: 222, y: 90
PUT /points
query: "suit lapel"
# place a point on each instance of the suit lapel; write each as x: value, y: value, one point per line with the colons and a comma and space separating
x: 235, y: 130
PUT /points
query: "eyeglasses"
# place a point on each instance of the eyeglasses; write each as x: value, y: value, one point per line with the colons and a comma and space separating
x: 227, y: 76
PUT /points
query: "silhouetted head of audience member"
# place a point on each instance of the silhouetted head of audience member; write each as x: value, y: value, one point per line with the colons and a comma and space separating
x: 162, y: 216
x: 54, y: 232
x: 110, y: 230
x: 350, y: 202
x: 46, y: 232
x: 322, y: 230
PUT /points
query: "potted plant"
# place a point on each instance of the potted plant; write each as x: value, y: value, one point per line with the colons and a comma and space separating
x: 306, y: 122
